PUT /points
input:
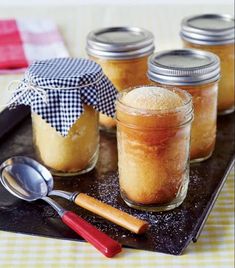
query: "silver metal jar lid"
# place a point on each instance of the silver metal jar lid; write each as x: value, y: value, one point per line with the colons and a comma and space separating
x: 184, y: 67
x: 208, y: 29
x: 120, y: 43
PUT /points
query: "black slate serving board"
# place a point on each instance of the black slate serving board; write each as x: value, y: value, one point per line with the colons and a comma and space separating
x: 170, y: 232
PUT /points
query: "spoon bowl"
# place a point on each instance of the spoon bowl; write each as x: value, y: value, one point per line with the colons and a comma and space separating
x: 26, y: 178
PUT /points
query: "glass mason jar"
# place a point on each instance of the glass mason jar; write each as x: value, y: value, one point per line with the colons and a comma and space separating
x: 122, y: 53
x: 153, y: 153
x: 73, y: 154
x: 214, y: 33
x: 198, y: 73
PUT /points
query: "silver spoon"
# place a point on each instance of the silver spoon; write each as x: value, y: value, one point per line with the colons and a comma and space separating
x: 24, y: 178
x: 106, y: 211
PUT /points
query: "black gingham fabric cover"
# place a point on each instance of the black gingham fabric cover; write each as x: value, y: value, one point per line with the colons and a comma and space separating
x: 64, y: 106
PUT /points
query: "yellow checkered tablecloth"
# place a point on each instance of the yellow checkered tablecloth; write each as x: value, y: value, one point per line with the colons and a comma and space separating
x: 215, y: 247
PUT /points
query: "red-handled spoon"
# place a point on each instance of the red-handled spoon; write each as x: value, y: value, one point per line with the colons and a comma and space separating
x: 91, y: 234
x: 16, y: 175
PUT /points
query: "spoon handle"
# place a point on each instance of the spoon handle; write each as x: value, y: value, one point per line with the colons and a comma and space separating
x: 105, y: 244
x: 108, y: 212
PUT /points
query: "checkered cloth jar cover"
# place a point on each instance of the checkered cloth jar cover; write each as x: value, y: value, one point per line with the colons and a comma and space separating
x: 57, y: 89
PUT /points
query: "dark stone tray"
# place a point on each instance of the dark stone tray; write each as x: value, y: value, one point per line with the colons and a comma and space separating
x: 170, y: 232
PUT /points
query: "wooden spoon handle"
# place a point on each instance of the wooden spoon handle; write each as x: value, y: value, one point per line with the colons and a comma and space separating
x: 112, y: 214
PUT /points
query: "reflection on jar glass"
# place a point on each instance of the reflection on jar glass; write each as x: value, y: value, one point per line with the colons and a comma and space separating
x: 197, y: 72
x: 122, y: 53
x: 153, y: 146
x: 215, y: 33
x: 75, y: 153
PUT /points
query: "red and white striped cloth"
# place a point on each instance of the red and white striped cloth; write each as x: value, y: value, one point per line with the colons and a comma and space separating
x: 23, y: 41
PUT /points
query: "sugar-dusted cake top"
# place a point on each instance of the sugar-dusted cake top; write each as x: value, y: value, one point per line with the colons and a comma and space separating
x: 152, y: 98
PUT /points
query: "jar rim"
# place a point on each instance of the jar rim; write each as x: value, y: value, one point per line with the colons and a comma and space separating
x: 147, y: 112
x: 186, y: 108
